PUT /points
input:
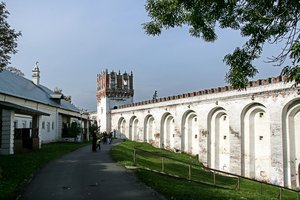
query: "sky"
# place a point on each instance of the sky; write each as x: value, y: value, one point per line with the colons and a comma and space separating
x: 74, y: 40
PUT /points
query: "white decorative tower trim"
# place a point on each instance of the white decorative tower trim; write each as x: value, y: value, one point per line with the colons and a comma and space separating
x: 36, y: 74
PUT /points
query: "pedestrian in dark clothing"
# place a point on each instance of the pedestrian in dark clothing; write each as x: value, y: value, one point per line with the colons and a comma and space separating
x: 104, y: 137
x: 94, y: 142
x: 110, y: 137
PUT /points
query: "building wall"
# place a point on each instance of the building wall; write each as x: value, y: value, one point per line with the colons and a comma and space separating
x: 7, y: 130
x: 22, y: 121
x: 252, y: 132
x: 49, y: 129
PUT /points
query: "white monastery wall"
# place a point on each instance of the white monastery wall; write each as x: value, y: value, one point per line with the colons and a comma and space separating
x: 104, y: 105
x: 250, y: 132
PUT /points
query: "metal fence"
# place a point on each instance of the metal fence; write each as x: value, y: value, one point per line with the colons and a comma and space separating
x: 162, y: 164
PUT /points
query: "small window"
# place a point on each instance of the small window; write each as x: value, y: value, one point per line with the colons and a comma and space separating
x: 30, y: 124
x: 24, y: 124
x: 52, y: 125
x: 48, y: 126
x: 195, y: 119
x: 43, y: 125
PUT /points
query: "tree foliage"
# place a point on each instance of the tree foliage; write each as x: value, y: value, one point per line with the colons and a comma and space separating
x: 57, y: 90
x: 261, y: 22
x: 8, y: 38
x: 60, y: 91
x: 15, y: 71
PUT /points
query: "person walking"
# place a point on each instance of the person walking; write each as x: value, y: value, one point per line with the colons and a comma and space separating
x: 94, y: 142
x: 110, y: 137
x: 98, y: 144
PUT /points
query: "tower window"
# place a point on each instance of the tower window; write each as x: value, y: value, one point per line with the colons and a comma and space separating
x: 125, y: 82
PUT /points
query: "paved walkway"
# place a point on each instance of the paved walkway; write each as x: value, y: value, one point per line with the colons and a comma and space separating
x: 84, y: 174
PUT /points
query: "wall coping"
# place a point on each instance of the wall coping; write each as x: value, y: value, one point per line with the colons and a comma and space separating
x: 251, y: 84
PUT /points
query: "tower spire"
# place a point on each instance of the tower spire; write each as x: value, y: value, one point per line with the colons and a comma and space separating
x: 36, y: 74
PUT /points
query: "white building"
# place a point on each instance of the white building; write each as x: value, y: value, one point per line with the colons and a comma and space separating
x: 31, y: 114
x: 253, y: 132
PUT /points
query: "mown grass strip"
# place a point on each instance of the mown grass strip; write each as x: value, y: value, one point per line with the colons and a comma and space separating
x: 177, y: 188
x: 15, y: 170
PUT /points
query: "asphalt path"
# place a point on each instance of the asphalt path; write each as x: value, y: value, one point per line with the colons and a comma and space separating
x: 84, y: 174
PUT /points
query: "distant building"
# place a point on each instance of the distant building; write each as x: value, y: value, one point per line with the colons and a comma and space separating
x: 113, y: 90
x: 32, y: 114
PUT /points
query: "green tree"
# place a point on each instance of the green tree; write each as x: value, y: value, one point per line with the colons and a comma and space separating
x: 74, y: 130
x: 57, y: 90
x: 261, y: 22
x: 8, y: 38
x: 60, y: 91
x: 94, y: 128
x: 15, y: 71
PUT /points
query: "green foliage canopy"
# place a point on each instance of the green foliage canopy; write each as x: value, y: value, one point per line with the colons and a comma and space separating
x: 261, y: 22
x: 8, y: 38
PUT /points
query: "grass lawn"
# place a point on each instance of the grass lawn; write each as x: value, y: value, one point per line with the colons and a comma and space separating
x: 177, y: 188
x: 16, y: 169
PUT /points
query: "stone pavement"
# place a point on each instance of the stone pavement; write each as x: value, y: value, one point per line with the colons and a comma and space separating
x: 84, y: 174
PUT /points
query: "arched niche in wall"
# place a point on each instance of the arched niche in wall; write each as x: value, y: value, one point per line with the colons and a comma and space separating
x: 133, y: 128
x: 291, y: 143
x: 122, y: 127
x: 256, y: 142
x: 218, y: 143
x: 149, y: 128
x: 167, y: 131
x: 190, y: 132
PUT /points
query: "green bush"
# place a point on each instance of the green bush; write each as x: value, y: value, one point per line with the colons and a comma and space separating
x: 74, y: 129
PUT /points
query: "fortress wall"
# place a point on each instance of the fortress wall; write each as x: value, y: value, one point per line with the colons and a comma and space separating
x: 236, y: 131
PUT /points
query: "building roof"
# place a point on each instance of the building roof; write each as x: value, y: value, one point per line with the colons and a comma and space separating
x: 21, y: 109
x: 18, y: 86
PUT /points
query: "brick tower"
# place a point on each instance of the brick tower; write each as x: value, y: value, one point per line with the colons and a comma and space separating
x: 113, y: 89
